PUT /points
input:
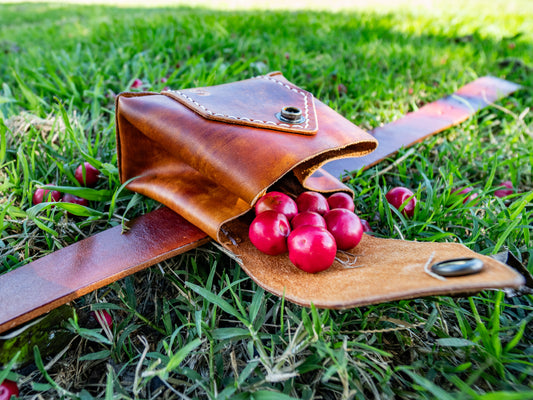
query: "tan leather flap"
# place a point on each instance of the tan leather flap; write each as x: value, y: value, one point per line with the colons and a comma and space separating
x: 256, y: 102
x: 375, y: 271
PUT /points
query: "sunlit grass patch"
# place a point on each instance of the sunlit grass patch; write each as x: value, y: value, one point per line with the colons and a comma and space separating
x: 196, y: 326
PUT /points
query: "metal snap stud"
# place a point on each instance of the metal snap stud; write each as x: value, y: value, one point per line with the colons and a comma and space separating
x: 458, y: 267
x: 290, y: 115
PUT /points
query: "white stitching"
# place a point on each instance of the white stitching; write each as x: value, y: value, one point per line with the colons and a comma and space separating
x: 304, y: 94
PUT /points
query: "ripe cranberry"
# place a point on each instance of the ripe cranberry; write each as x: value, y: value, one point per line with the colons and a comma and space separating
x: 398, y: 196
x: 70, y: 198
x: 279, y: 202
x: 41, y: 195
x: 508, y: 185
x: 312, y: 248
x: 137, y: 83
x: 464, y: 191
x: 7, y: 389
x: 365, y: 225
x: 103, y: 318
x: 341, y: 89
x: 345, y: 227
x: 341, y: 200
x: 91, y: 175
x: 308, y: 218
x: 312, y: 201
x: 268, y: 232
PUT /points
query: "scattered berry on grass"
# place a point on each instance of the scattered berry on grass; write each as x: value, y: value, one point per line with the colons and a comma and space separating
x: 42, y: 195
x: 400, y: 195
x: 89, y: 177
x: 137, y: 83
x: 7, y: 389
x: 508, y: 189
x: 70, y: 198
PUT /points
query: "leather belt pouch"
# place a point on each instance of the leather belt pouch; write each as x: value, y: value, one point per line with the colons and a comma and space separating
x: 210, y: 153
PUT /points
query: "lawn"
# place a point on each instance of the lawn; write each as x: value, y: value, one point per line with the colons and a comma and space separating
x: 61, y: 67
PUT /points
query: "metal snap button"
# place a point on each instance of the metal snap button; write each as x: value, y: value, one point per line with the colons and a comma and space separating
x: 290, y: 115
x: 458, y: 267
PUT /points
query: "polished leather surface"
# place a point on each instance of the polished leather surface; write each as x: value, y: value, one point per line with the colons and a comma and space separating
x: 426, y: 121
x: 89, y: 264
x: 252, y: 102
x: 211, y: 171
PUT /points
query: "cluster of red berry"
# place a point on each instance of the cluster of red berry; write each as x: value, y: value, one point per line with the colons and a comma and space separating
x: 85, y: 174
x: 311, y: 228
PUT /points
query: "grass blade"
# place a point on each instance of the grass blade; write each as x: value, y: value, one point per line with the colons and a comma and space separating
x: 218, y: 301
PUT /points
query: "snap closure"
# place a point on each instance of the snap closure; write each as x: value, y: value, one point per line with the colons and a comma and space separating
x: 458, y: 267
x: 290, y: 115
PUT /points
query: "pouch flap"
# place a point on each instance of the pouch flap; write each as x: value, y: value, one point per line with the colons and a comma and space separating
x: 256, y: 102
x: 375, y: 271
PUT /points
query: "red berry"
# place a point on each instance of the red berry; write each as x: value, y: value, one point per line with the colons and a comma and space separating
x: 464, y: 191
x: 268, y: 232
x: 70, y: 198
x: 312, y: 248
x: 365, y: 225
x: 41, y: 195
x: 345, y: 227
x: 341, y: 200
x: 398, y: 196
x: 137, y: 83
x: 508, y: 185
x: 103, y: 318
x: 7, y: 389
x: 312, y: 201
x: 91, y: 175
x: 279, y: 202
x: 341, y: 89
x: 308, y: 218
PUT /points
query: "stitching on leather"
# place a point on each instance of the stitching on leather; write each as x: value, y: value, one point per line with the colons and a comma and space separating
x: 304, y: 94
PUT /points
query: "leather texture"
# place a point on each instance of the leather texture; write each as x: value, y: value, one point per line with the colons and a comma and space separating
x: 98, y: 260
x: 252, y: 102
x: 94, y: 262
x: 204, y: 154
x: 428, y: 120
x: 212, y: 171
x: 375, y: 271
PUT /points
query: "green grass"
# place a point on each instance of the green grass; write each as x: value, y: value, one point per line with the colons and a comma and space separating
x: 196, y: 326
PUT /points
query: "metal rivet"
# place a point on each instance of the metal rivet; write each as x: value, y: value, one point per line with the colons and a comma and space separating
x: 290, y: 115
x: 458, y: 267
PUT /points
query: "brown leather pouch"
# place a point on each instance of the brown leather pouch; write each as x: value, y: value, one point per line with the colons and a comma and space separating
x: 210, y: 153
